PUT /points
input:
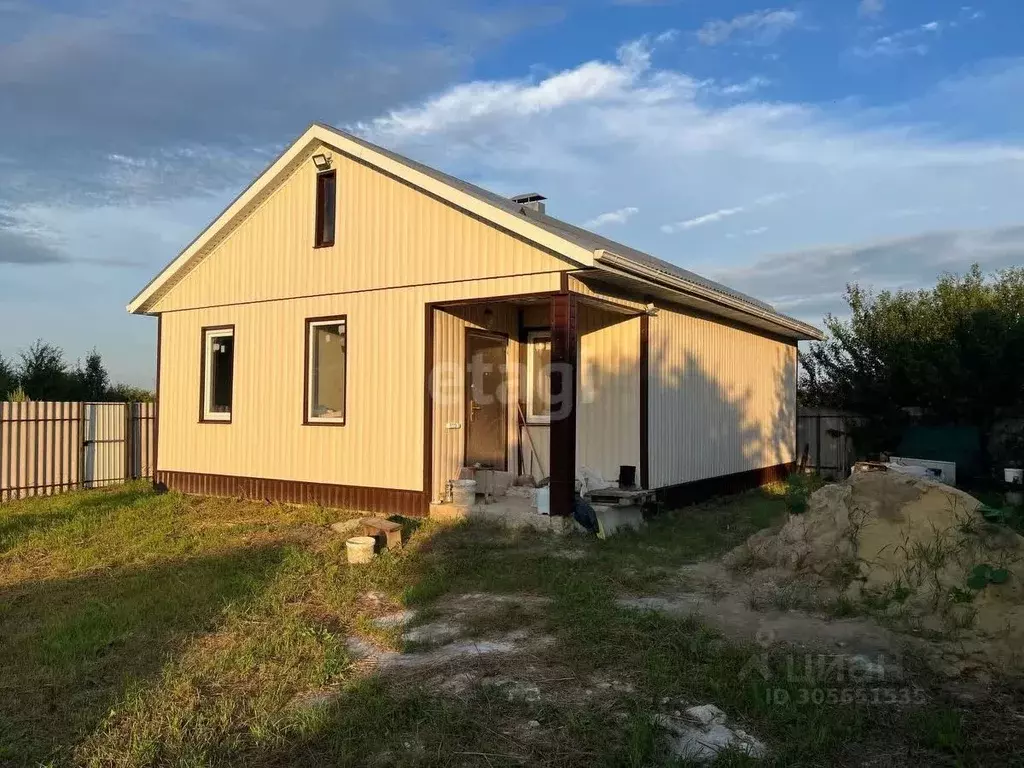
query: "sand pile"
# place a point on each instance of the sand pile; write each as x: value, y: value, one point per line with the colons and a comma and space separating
x: 913, y: 549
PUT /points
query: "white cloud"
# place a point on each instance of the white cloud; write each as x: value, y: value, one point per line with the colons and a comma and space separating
x: 519, y: 98
x: 761, y: 27
x: 707, y: 218
x: 620, y: 216
x: 871, y: 8
x: 749, y: 85
x: 723, y: 213
x: 915, y: 40
x: 651, y: 135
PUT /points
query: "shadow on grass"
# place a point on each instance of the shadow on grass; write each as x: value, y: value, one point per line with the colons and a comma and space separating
x: 70, y: 648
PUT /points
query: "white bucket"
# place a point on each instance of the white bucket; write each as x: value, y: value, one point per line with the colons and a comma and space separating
x: 543, y: 500
x: 1013, y: 475
x: 360, y: 549
x: 464, y: 493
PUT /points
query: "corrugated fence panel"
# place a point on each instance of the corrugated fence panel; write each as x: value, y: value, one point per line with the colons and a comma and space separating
x: 722, y: 399
x: 40, y: 447
x: 50, y: 447
x: 105, y: 444
x: 824, y: 442
x: 141, y: 443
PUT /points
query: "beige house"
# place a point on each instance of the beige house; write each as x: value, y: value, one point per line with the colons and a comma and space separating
x: 356, y: 327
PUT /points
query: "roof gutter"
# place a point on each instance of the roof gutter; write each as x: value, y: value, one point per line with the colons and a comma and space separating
x: 685, y: 286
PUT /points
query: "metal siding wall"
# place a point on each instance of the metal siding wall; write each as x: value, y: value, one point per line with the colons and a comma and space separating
x: 538, y: 466
x: 608, y: 392
x: 449, y: 401
x: 388, y: 234
x: 381, y: 444
x: 722, y: 400
x: 589, y: 287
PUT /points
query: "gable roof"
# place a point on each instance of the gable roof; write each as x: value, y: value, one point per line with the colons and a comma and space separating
x: 578, y: 245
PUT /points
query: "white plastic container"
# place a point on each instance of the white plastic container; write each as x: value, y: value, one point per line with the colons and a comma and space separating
x: 464, y: 493
x: 543, y: 500
x: 360, y: 549
x: 1013, y: 475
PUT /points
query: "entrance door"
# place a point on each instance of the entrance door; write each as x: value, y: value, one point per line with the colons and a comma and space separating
x: 486, y: 395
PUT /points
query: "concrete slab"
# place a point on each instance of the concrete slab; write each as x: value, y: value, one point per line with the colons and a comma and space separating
x: 509, y: 511
x: 612, y: 520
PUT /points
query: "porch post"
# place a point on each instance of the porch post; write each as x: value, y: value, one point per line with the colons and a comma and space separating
x: 564, y: 344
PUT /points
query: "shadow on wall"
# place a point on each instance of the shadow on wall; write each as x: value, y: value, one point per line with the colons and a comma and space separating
x: 709, y: 419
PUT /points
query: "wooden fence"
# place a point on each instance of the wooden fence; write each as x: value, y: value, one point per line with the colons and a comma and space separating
x: 823, y: 441
x: 48, y: 448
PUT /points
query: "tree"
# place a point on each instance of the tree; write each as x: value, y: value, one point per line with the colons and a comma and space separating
x: 955, y: 352
x: 91, y: 382
x: 125, y: 393
x: 8, y: 378
x: 43, y: 374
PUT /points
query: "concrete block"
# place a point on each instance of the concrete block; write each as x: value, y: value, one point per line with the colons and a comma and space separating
x: 448, y: 513
x: 493, y: 482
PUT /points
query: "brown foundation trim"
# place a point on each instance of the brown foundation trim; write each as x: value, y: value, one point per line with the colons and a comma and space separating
x: 645, y: 389
x: 673, y: 496
x: 390, y: 501
x: 564, y: 351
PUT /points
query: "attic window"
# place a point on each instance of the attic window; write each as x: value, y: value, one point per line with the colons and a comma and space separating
x: 326, y: 205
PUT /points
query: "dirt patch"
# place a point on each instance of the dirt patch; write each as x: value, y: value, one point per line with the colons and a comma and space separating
x: 912, y: 551
x: 726, y: 602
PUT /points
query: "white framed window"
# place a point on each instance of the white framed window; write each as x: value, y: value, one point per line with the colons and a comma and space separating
x: 538, y: 377
x: 218, y: 378
x: 326, y: 370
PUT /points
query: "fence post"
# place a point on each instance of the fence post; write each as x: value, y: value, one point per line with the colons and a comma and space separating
x: 129, y: 453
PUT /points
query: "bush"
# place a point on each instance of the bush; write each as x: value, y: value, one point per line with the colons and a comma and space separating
x: 799, y: 487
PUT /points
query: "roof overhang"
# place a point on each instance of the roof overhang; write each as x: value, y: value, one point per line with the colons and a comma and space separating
x: 630, y: 275
x: 318, y: 134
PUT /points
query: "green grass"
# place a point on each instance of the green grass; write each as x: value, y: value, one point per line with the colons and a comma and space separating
x: 141, y: 629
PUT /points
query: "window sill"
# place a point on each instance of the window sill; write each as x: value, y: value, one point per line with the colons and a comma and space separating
x: 317, y: 423
x: 322, y: 246
x: 205, y: 420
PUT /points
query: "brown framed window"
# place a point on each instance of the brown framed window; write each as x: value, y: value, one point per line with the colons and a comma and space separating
x: 326, y: 370
x: 326, y: 208
x: 218, y: 374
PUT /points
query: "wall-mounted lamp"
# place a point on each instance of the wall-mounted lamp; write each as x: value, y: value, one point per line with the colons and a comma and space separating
x: 651, y: 310
x: 322, y: 161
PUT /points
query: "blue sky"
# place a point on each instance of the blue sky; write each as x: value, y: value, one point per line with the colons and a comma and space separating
x: 784, y: 149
